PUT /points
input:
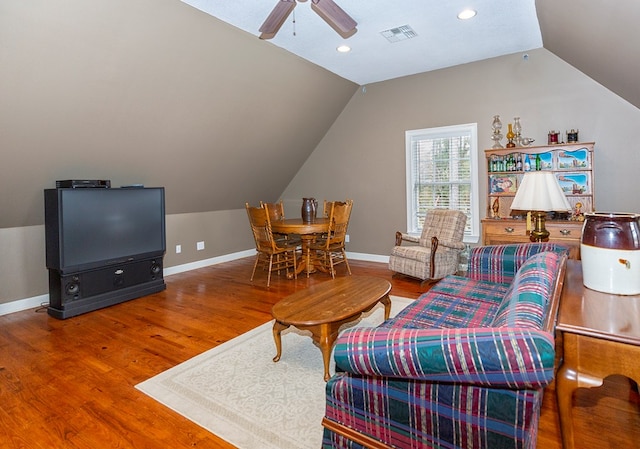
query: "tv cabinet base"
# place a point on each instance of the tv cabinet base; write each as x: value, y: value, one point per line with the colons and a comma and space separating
x: 77, y: 307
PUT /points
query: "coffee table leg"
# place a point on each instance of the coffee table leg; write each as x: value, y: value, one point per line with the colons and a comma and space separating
x: 386, y: 301
x: 278, y: 327
x: 326, y: 339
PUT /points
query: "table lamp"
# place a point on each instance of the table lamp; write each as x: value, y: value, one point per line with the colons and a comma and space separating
x: 540, y: 193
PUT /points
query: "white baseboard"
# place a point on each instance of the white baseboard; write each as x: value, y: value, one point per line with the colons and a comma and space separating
x: 368, y: 257
x: 38, y: 301
x: 24, y: 304
x: 207, y: 262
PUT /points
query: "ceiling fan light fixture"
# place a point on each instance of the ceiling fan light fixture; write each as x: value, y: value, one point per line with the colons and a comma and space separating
x: 467, y: 14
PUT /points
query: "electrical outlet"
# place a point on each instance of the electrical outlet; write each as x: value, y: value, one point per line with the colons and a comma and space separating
x: 200, y: 246
x: 346, y: 238
x: 178, y: 249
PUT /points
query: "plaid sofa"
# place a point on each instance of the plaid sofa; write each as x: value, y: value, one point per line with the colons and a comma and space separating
x: 464, y: 366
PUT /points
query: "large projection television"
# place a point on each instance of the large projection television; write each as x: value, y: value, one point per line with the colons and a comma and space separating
x: 103, y: 246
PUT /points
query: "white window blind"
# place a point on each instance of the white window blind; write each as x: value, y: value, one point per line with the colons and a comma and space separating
x: 442, y: 172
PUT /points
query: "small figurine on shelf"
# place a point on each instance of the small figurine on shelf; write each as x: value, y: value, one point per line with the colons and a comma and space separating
x: 526, y: 141
x: 495, y: 208
x: 576, y: 213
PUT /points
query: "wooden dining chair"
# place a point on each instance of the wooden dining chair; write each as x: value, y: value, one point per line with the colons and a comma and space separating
x: 276, y: 212
x: 326, y: 208
x: 329, y: 250
x: 275, y: 255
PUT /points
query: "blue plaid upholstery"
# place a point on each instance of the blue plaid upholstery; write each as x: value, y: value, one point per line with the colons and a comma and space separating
x: 462, y: 367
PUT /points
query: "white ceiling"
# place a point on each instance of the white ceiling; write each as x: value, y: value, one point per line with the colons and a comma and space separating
x: 500, y: 27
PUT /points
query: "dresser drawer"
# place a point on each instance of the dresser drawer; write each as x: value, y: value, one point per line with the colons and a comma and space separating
x: 568, y: 233
x: 505, y: 228
x: 568, y: 230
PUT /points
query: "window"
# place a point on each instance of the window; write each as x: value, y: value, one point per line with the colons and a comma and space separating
x: 442, y: 171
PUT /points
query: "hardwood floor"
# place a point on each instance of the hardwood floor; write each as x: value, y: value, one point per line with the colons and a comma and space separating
x: 70, y: 383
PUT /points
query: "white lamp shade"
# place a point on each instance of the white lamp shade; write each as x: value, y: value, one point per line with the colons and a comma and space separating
x: 540, y: 191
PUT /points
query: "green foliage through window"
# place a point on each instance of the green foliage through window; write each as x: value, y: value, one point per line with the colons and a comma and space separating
x: 442, y: 172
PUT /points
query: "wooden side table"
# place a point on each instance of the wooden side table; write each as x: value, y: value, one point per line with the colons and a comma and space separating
x: 600, y: 336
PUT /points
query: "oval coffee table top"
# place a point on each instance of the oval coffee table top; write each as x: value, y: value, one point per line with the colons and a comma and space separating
x: 331, y: 301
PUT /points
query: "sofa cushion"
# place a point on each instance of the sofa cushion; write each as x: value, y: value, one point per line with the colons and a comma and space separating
x: 525, y: 302
x: 476, y: 289
x: 500, y: 263
x: 453, y: 302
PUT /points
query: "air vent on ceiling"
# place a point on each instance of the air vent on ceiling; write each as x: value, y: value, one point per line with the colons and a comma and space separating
x: 401, y: 33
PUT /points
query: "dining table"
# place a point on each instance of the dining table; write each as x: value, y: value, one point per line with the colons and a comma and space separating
x: 307, y: 230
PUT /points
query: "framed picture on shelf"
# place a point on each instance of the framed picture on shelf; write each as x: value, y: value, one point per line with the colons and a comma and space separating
x: 573, y: 160
x: 546, y: 160
x: 502, y: 184
x: 574, y: 183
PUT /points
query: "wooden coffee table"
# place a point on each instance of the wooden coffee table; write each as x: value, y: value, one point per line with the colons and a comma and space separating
x: 324, y: 307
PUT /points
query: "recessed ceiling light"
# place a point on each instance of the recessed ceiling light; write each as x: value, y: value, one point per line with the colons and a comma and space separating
x: 467, y: 14
x: 344, y: 49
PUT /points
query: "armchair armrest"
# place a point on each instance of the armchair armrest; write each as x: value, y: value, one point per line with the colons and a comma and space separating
x: 498, y: 357
x: 401, y: 236
x: 450, y: 244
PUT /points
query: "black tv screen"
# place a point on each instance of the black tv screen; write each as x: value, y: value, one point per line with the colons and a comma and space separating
x: 89, y: 228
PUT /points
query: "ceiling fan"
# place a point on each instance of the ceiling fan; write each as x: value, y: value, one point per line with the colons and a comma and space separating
x: 331, y: 13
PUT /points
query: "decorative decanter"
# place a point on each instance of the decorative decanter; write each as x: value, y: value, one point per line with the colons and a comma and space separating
x: 497, y: 135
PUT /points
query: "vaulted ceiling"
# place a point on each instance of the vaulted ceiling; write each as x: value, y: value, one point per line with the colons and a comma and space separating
x: 598, y: 37
x: 394, y: 38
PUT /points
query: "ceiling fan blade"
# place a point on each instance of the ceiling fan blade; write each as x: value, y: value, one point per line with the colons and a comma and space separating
x: 277, y: 17
x: 335, y: 16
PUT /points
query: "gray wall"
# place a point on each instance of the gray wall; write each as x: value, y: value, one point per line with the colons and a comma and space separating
x: 152, y: 92
x: 363, y: 155
x: 148, y: 91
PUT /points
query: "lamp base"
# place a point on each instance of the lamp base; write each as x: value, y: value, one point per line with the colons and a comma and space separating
x: 539, y: 233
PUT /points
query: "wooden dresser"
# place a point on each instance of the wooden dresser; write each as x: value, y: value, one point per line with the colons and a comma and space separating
x: 572, y: 164
x: 499, y: 231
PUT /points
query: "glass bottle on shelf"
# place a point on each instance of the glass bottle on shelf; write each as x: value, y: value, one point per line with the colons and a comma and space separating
x: 527, y: 163
x: 538, y: 162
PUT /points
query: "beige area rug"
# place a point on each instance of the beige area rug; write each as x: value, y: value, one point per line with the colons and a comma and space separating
x: 237, y: 392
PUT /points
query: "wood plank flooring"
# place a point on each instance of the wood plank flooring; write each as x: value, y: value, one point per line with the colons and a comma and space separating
x: 70, y: 383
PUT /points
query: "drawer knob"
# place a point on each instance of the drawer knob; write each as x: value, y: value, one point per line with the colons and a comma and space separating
x: 565, y: 231
x: 508, y: 229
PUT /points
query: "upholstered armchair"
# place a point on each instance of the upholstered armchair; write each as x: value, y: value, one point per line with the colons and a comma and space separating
x: 436, y: 253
